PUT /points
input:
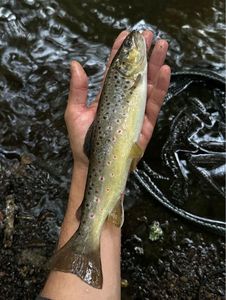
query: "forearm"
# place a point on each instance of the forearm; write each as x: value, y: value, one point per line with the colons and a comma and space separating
x: 61, y: 285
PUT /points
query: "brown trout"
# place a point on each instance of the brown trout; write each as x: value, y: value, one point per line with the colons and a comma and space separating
x: 113, y: 150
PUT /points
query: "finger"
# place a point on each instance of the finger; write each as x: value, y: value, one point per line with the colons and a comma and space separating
x: 148, y: 35
x: 145, y: 134
x: 155, y: 98
x: 78, y: 85
x: 156, y: 60
x: 157, y: 94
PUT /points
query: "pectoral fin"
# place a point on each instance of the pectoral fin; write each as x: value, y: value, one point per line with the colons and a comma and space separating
x: 117, y: 215
x: 137, y: 80
x: 136, y: 154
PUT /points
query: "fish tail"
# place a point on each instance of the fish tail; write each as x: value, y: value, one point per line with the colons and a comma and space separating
x: 80, y: 258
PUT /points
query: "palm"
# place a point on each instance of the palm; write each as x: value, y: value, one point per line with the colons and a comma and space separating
x: 79, y: 117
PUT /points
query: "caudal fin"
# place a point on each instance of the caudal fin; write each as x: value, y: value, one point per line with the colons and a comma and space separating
x: 79, y: 258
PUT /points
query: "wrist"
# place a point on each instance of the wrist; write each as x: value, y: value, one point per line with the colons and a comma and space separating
x: 80, y: 165
x: 78, y: 182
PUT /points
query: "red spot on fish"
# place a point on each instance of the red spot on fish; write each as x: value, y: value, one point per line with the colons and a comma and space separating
x: 101, y: 178
x: 97, y: 199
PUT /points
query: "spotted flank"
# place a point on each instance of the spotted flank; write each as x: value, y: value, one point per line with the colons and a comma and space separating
x: 111, y: 146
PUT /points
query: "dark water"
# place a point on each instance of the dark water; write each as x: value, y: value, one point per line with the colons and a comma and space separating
x: 38, y: 39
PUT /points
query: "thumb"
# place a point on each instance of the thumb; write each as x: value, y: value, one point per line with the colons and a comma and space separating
x: 78, y: 85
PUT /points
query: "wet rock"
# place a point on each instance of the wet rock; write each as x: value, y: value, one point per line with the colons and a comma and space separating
x: 9, y: 221
x: 187, y: 242
x: 174, y: 236
x: 184, y: 279
x: 31, y: 257
x: 161, y: 267
x: 139, y: 250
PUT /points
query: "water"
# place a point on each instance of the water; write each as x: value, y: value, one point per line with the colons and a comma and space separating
x: 38, y: 39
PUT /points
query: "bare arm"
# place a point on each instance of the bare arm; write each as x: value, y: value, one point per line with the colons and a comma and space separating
x: 78, y: 117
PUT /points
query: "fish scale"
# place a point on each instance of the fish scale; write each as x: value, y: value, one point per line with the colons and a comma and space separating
x: 112, y: 141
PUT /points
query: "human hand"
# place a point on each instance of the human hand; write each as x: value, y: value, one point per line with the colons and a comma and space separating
x: 79, y: 116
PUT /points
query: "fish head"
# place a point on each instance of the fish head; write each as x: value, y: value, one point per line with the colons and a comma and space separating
x: 131, y: 58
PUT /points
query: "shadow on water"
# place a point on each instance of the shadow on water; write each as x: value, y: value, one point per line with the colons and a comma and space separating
x: 38, y: 41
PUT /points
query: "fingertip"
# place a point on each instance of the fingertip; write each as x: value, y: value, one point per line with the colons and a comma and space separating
x: 162, y: 44
x: 74, y: 66
x: 77, y: 69
x: 165, y: 71
x: 78, y: 83
x: 78, y: 75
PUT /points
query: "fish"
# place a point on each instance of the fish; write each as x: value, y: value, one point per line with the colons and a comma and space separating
x: 111, y: 145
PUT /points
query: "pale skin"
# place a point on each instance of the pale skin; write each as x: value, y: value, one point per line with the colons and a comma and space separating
x: 78, y: 117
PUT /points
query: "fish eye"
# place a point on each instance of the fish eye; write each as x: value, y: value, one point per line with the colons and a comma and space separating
x: 128, y: 43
